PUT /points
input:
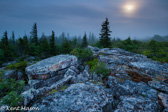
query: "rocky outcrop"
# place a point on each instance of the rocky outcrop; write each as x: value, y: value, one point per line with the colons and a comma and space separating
x: 134, y: 84
x: 135, y: 80
x: 78, y: 97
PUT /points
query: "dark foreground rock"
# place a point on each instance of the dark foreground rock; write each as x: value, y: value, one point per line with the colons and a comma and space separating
x: 137, y: 104
x: 78, y: 97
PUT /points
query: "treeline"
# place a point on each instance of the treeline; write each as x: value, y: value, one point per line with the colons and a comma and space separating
x: 47, y: 46
x: 42, y: 47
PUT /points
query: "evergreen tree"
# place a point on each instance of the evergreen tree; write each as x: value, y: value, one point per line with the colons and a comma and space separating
x: 43, y: 46
x: 6, y: 47
x: 74, y: 42
x: 84, y: 41
x: 52, y: 44
x: 26, y: 44
x: 13, y: 38
x: 20, y: 46
x: 66, y: 46
x: 105, y: 40
x: 34, y: 38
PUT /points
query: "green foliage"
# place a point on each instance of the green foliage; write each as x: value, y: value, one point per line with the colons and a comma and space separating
x: 10, y: 90
x: 98, y: 67
x: 82, y: 53
x: 20, y: 66
x: 5, y: 46
x: 1, y: 56
x: 66, y: 47
x: 12, y: 99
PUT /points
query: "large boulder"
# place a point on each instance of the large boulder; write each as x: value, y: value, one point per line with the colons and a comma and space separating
x: 48, y: 68
x: 78, y: 97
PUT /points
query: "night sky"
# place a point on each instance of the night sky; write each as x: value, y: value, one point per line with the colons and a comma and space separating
x: 135, y: 18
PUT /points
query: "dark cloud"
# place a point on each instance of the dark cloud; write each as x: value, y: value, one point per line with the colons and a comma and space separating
x: 76, y: 17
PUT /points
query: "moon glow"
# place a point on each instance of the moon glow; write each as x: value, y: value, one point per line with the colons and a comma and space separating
x: 129, y: 9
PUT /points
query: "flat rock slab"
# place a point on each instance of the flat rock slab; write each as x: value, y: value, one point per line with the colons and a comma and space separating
x: 48, y: 68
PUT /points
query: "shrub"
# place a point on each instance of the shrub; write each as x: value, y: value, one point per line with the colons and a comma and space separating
x: 10, y: 90
x: 98, y: 67
x: 82, y: 53
x: 7, y: 85
x: 20, y: 66
x: 12, y: 99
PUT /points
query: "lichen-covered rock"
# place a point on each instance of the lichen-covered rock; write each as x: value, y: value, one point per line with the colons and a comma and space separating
x: 32, y: 94
x: 121, y: 88
x: 121, y: 61
x: 10, y: 74
x: 48, y: 67
x: 82, y: 77
x: 47, y: 82
x: 137, y: 104
x: 161, y: 86
x: 8, y: 63
x: 20, y: 76
x: 164, y: 99
x: 78, y: 97
x: 94, y: 49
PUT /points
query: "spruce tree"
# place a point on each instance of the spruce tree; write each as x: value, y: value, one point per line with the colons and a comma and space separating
x: 5, y: 46
x: 52, y: 44
x: 34, y: 38
x: 74, y: 42
x: 84, y: 41
x: 26, y: 45
x: 13, y: 38
x: 105, y: 40
x: 66, y: 46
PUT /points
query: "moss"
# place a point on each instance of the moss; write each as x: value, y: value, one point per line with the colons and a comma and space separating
x: 19, y: 66
x: 56, y: 90
x: 53, y: 91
